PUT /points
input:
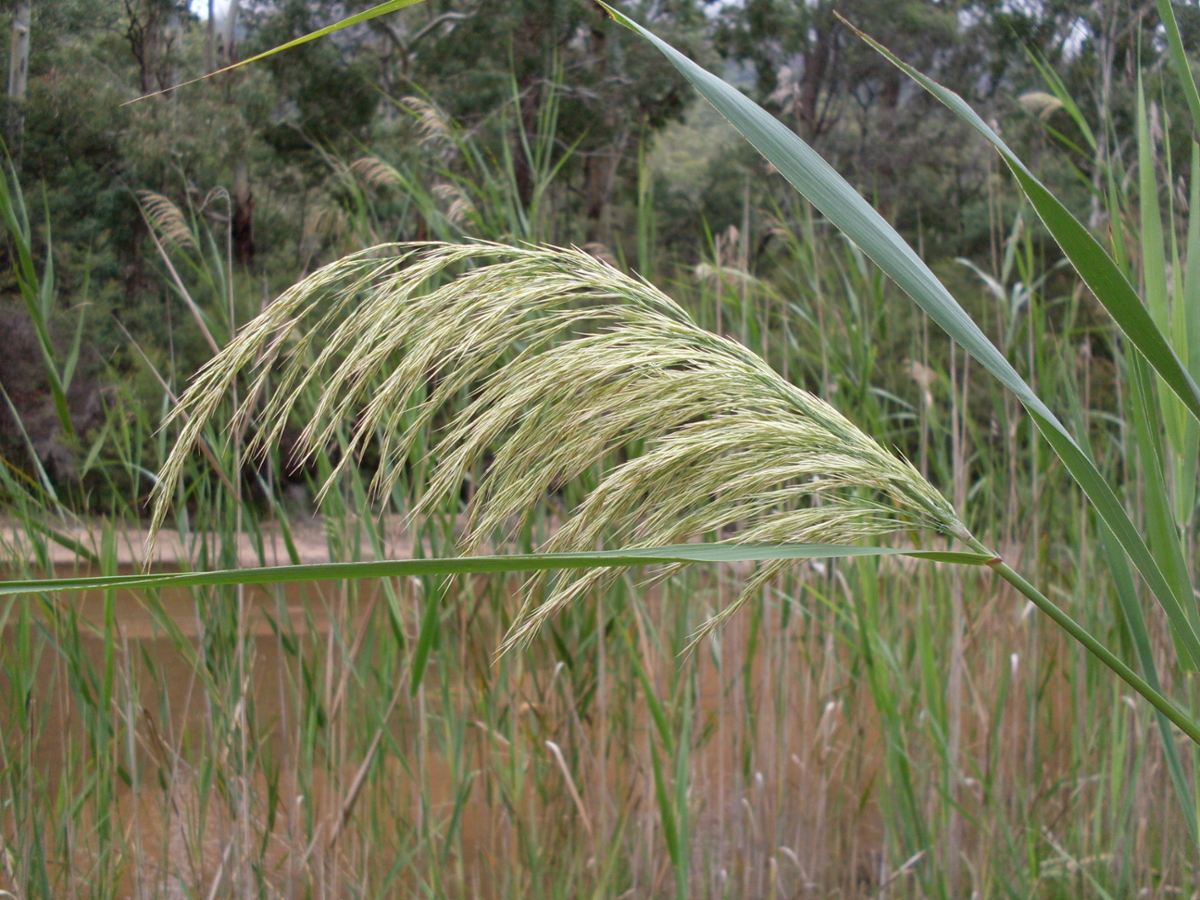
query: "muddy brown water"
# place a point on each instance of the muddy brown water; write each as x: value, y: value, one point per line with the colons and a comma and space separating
x: 157, y: 642
x: 179, y: 831
x: 181, y: 828
x: 146, y: 651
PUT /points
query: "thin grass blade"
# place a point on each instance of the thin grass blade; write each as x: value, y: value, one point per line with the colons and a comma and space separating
x: 1188, y: 311
x: 1135, y: 621
x: 426, y: 638
x: 1161, y: 530
x: 843, y: 206
x: 1059, y: 89
x: 1183, y: 69
x: 1154, y: 261
x: 464, y: 565
x: 364, y: 16
x: 34, y: 291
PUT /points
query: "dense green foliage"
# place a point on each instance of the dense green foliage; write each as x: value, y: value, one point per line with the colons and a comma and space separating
x: 509, y: 122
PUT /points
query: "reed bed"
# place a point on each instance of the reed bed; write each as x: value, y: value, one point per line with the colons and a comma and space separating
x: 273, y: 745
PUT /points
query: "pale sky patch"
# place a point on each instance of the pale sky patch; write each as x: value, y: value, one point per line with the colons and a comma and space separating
x: 200, y: 8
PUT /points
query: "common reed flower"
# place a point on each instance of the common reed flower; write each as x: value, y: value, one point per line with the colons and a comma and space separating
x: 564, y: 363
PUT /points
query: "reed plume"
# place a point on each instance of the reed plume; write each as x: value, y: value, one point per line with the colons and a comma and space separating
x: 564, y: 362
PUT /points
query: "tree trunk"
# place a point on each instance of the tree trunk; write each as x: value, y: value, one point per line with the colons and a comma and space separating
x: 231, y: 33
x: 243, y: 211
x: 529, y: 97
x: 529, y: 43
x: 816, y: 66
x: 210, y: 38
x: 601, y: 169
x: 18, y: 75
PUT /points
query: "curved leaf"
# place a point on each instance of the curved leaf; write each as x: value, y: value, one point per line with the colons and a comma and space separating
x: 365, y: 15
x: 1097, y: 269
x: 859, y: 221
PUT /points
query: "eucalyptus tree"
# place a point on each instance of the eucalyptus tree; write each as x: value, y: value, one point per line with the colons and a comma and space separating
x: 18, y: 74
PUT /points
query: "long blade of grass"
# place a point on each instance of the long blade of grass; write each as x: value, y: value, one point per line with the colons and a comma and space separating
x: 46, y: 484
x: 657, y: 713
x: 1160, y: 520
x: 1147, y: 405
x: 845, y: 208
x: 364, y: 16
x: 1059, y: 89
x: 1188, y: 321
x: 63, y: 540
x: 430, y: 626
x: 1154, y: 261
x: 1097, y: 269
x: 1135, y: 621
x: 1175, y: 41
x: 463, y: 565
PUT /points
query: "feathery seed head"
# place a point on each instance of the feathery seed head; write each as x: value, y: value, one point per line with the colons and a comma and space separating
x: 565, y: 362
x: 376, y: 172
x: 433, y: 124
x: 165, y: 217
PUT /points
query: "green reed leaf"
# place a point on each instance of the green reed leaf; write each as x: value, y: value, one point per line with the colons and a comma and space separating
x: 680, y: 554
x: 1154, y: 264
x: 1175, y: 41
x: 846, y: 209
x: 1097, y: 269
x: 364, y: 16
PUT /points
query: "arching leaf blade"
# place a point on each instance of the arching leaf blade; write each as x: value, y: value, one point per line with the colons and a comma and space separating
x: 1097, y: 269
x: 464, y: 565
x: 1166, y: 12
x: 364, y: 16
x: 804, y: 168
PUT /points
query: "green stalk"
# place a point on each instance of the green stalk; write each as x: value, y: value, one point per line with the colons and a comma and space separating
x: 1181, y: 720
x: 464, y: 565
